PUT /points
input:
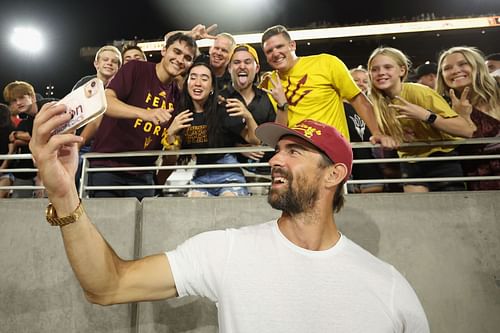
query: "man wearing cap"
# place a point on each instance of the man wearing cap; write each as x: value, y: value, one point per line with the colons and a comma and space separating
x: 426, y: 74
x: 314, y: 87
x: 244, y: 68
x: 294, y: 274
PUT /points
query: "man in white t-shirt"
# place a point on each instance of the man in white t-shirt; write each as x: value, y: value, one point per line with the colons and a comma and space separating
x: 296, y: 274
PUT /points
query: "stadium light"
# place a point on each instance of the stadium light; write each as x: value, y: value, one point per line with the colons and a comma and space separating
x: 27, y: 39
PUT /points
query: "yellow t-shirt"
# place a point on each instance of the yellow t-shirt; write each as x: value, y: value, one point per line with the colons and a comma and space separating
x: 315, y: 88
x: 428, y: 99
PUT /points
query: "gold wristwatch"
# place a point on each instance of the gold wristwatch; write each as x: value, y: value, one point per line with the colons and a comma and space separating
x: 54, y: 220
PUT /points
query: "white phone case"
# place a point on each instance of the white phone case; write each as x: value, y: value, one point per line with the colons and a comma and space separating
x: 85, y: 104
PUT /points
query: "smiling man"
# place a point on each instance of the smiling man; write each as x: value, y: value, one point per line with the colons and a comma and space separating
x: 141, y: 99
x: 108, y: 60
x: 294, y: 274
x: 244, y: 70
x: 314, y: 87
x: 219, y: 54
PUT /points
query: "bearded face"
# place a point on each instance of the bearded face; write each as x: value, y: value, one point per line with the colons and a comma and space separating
x: 293, y: 195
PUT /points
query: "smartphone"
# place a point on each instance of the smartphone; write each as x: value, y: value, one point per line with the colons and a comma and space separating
x: 84, y: 104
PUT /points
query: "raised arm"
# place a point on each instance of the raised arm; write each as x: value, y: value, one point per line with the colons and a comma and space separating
x: 103, y: 275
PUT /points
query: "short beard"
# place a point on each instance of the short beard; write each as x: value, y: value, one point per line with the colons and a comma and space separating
x: 294, y: 202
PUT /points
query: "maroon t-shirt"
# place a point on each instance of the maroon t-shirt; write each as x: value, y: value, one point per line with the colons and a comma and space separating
x: 136, y: 84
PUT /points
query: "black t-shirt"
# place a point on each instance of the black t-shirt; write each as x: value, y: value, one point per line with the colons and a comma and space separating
x: 262, y: 111
x: 196, y: 136
x: 224, y: 81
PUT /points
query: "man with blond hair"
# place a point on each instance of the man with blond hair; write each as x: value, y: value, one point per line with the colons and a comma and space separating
x: 107, y: 61
x: 219, y: 54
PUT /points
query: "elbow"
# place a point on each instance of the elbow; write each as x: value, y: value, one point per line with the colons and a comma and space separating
x: 253, y: 140
x: 469, y: 132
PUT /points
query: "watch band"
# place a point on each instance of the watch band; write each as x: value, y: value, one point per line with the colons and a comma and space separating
x: 432, y: 118
x: 282, y: 107
x: 54, y: 220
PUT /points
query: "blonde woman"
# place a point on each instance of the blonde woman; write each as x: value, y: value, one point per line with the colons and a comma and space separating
x: 412, y: 112
x: 475, y: 95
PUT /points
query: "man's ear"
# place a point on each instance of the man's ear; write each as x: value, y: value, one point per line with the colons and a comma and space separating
x: 293, y: 45
x: 96, y: 64
x: 335, y: 174
x: 163, y: 51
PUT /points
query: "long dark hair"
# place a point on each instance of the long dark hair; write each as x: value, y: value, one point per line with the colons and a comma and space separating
x: 211, y: 107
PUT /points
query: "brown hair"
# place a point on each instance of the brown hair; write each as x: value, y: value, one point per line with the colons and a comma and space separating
x: 17, y: 89
x: 275, y: 30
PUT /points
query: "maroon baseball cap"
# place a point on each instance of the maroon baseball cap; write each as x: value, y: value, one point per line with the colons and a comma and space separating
x: 324, y: 137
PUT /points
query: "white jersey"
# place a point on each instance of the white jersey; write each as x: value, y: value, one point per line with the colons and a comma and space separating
x: 262, y: 282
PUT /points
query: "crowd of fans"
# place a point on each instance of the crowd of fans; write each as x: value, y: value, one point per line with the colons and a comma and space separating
x: 192, y: 100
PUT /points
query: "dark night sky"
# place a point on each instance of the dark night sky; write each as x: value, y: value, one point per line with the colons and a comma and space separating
x: 70, y: 25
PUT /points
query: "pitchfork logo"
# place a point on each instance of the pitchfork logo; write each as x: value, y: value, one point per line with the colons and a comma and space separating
x: 147, y: 142
x: 292, y: 96
x: 309, y: 131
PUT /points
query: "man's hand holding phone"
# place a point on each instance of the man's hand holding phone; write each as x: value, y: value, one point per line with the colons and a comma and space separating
x: 84, y: 105
x: 56, y: 156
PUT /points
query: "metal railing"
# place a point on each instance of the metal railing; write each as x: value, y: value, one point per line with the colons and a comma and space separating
x: 86, y: 169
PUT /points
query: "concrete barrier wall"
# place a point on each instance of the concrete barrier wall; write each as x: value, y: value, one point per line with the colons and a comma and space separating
x: 446, y: 244
x: 38, y: 291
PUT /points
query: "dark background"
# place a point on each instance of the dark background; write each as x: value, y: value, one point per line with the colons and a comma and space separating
x: 71, y: 25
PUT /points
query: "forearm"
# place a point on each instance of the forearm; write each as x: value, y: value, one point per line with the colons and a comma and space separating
x: 248, y: 132
x: 21, y: 136
x: 457, y: 126
x: 119, y: 109
x: 90, y: 129
x: 94, y: 263
x: 281, y: 117
x: 364, y: 109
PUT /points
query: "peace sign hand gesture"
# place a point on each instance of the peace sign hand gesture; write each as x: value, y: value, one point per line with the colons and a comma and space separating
x: 277, y: 92
x: 461, y: 106
x: 409, y: 110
